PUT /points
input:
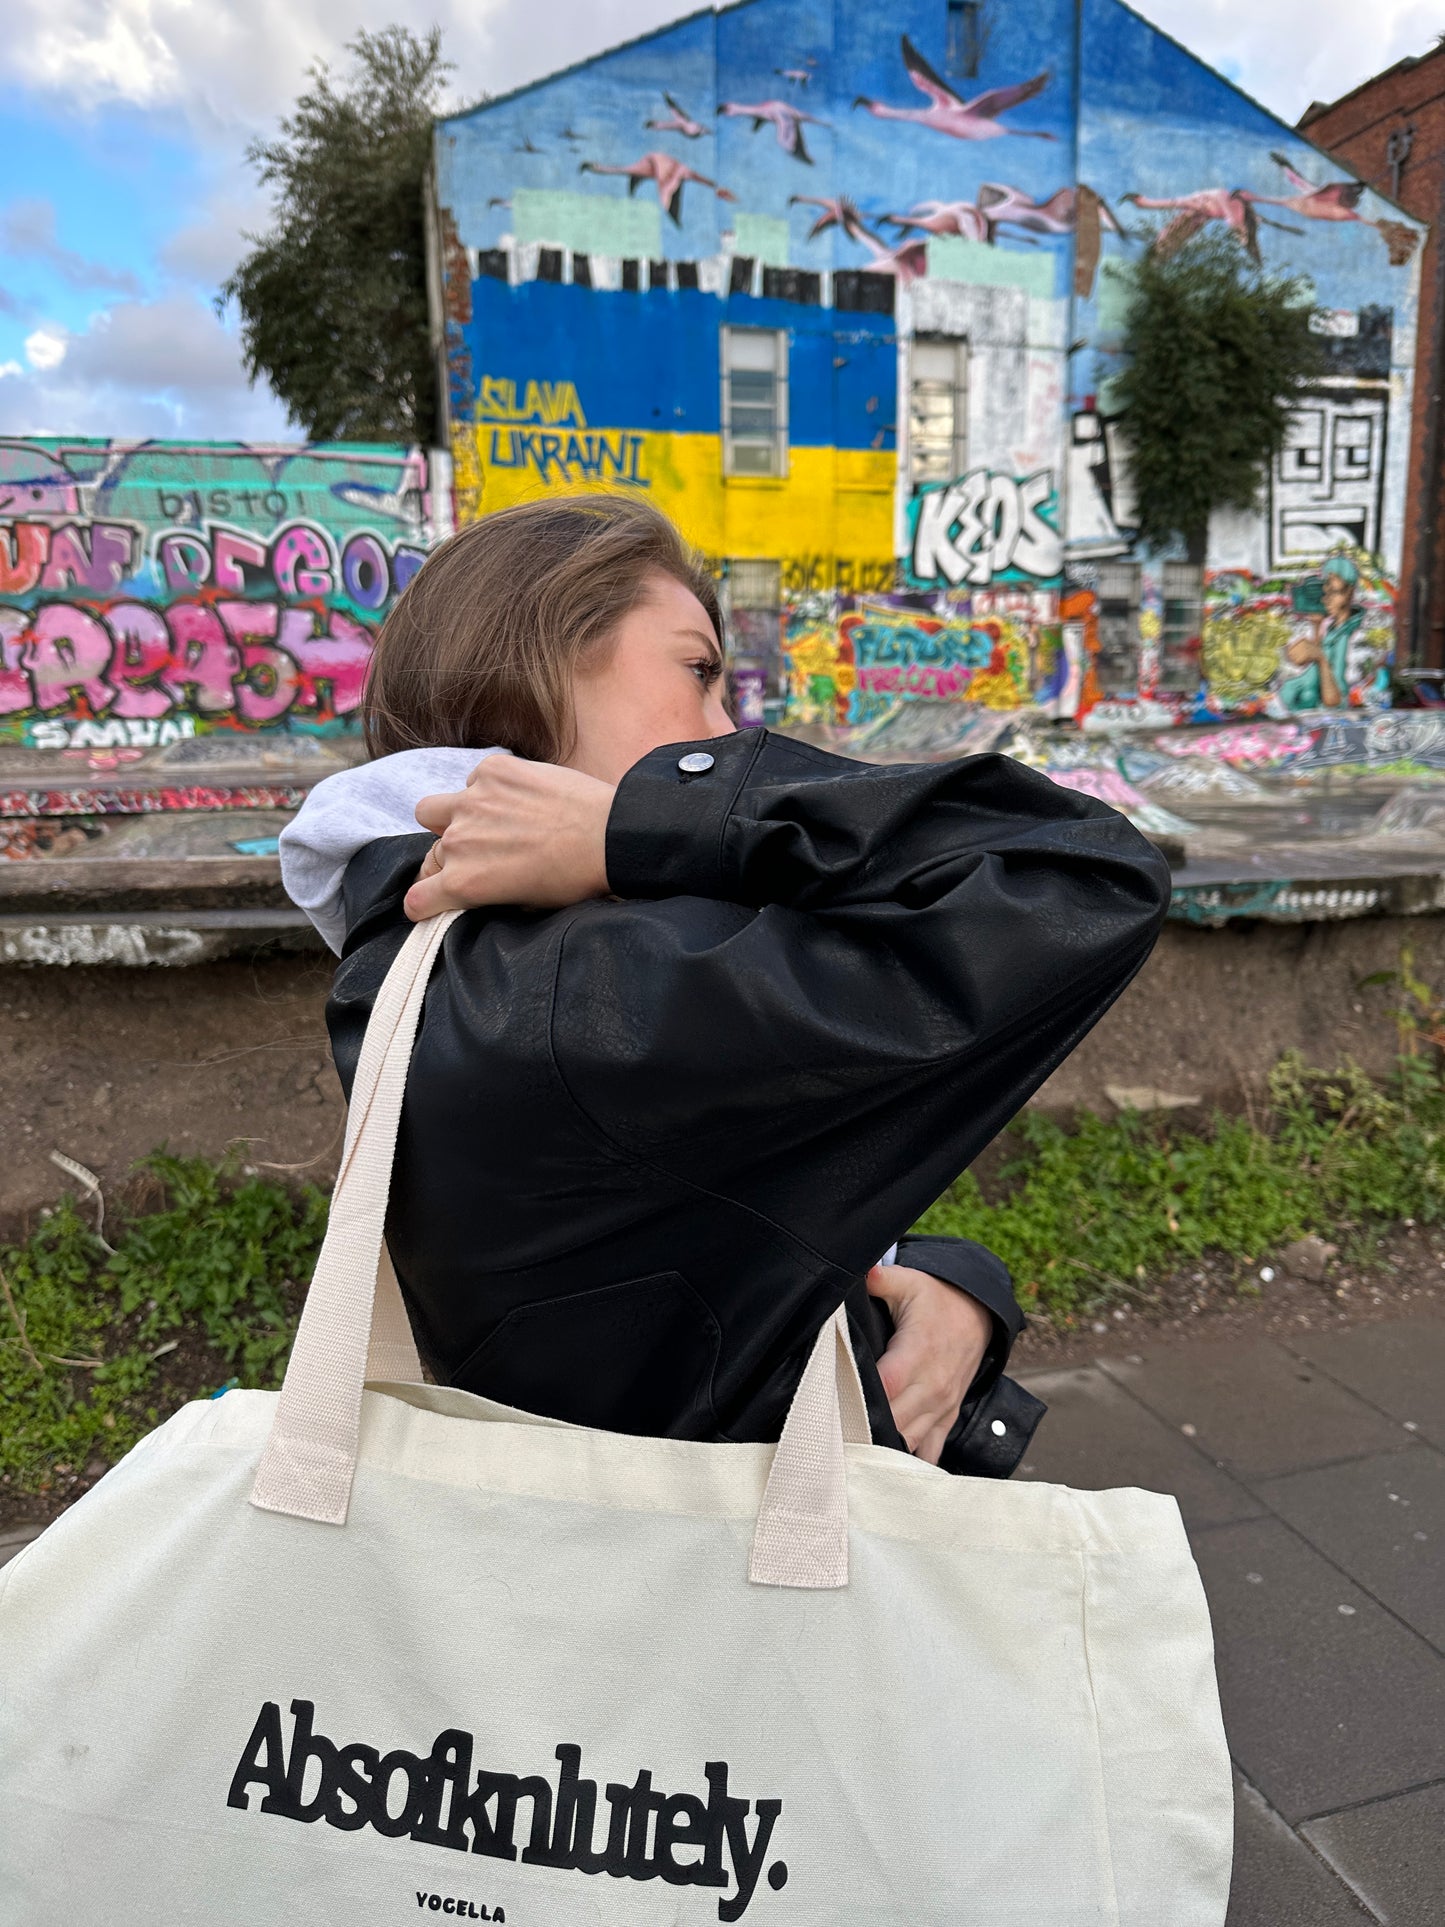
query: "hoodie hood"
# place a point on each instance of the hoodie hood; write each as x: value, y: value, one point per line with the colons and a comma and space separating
x: 345, y: 812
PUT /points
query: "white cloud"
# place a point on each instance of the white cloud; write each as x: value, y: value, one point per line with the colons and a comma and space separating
x: 1290, y: 52
x: 162, y: 367
x: 205, y: 252
x: 10, y: 368
x: 235, y: 65
x: 27, y: 232
x: 45, y: 349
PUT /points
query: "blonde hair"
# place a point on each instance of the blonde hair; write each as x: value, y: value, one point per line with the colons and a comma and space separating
x: 480, y: 647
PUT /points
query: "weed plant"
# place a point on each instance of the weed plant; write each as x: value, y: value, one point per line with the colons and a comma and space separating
x: 87, y: 1333
x: 1083, y: 1214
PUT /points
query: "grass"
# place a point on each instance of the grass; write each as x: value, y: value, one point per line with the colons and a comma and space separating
x: 98, y: 1345
x: 1082, y: 1215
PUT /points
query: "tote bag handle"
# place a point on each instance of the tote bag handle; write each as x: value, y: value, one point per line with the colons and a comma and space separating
x: 354, y: 1326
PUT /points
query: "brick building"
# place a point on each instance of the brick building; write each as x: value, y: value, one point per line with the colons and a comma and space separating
x: 1391, y: 133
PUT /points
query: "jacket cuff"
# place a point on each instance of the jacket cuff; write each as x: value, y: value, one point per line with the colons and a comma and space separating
x: 666, y: 826
x: 974, y: 1269
x: 989, y: 1441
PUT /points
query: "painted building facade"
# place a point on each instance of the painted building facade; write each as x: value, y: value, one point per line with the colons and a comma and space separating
x: 1391, y: 133
x: 843, y: 290
x: 154, y: 591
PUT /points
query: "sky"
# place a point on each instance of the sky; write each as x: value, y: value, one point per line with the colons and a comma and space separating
x: 125, y: 193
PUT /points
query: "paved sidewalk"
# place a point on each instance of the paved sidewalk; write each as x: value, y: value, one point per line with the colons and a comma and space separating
x: 1311, y: 1475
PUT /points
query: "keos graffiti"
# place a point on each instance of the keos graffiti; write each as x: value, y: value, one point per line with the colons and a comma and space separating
x: 151, y: 591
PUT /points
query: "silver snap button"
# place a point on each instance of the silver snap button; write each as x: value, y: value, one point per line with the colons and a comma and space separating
x: 695, y: 762
x: 998, y: 1428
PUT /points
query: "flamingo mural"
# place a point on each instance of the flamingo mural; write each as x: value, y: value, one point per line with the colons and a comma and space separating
x: 941, y: 217
x: 678, y: 122
x: 948, y: 113
x: 786, y: 122
x: 832, y: 215
x: 908, y: 261
x: 1011, y: 207
x: 670, y: 175
x: 1194, y: 212
x: 1333, y: 201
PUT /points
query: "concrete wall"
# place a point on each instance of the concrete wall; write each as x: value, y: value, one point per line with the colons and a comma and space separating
x: 152, y: 591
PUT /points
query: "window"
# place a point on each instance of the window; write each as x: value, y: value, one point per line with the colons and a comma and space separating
x: 862, y: 291
x: 755, y: 622
x: 549, y: 264
x: 937, y: 410
x: 1183, y: 597
x: 792, y: 284
x: 740, y: 280
x: 963, y: 48
x: 1118, y: 597
x: 755, y: 401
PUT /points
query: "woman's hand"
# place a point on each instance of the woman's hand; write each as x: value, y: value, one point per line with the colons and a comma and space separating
x: 526, y: 833
x: 939, y: 1340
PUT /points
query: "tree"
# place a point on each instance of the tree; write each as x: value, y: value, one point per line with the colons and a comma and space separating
x: 1218, y: 353
x: 333, y: 299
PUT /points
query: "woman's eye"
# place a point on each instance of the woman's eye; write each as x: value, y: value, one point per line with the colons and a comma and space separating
x: 707, y: 671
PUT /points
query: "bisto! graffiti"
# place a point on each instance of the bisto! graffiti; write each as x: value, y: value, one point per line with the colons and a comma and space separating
x: 240, y: 629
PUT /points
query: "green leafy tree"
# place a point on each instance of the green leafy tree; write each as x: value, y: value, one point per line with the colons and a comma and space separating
x: 1218, y: 352
x: 333, y: 299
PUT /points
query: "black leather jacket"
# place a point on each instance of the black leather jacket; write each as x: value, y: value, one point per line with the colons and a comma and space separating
x: 649, y: 1144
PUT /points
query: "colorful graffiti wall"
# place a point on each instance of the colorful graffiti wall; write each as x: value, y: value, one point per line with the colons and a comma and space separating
x: 151, y: 591
x: 843, y: 291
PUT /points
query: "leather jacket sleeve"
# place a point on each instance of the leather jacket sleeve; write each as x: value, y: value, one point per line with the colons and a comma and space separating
x: 888, y: 962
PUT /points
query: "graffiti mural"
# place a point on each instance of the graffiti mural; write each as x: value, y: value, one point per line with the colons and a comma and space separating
x: 1295, y: 643
x: 1328, y: 482
x: 150, y: 591
x: 983, y: 526
x: 851, y: 659
x: 845, y: 290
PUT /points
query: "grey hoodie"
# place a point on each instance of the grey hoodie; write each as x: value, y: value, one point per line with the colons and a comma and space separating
x: 353, y: 808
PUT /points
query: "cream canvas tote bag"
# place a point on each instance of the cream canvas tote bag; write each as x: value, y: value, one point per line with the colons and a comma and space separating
x: 367, y: 1651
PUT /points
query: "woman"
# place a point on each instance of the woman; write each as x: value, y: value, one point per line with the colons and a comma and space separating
x: 727, y: 1014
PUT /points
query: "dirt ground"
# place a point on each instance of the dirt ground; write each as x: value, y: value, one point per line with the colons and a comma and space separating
x: 105, y: 1063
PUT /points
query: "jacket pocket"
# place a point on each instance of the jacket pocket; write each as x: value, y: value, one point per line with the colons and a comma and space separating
x: 637, y: 1356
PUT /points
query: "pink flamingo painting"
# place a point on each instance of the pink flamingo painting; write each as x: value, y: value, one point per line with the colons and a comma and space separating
x: 833, y: 214
x: 670, y: 174
x: 1010, y: 207
x: 680, y: 122
x: 948, y: 113
x: 786, y: 121
x: 942, y: 217
x: 1334, y: 201
x: 1194, y: 212
x: 909, y: 261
